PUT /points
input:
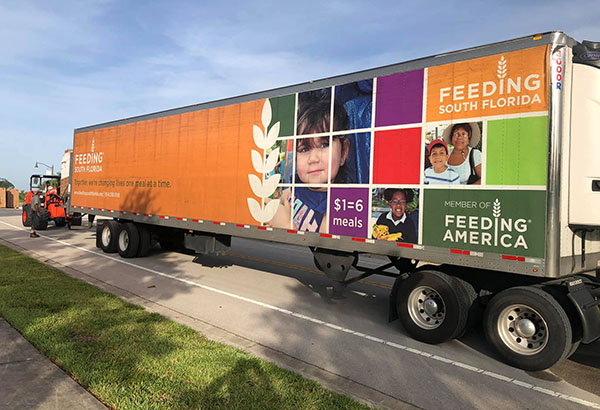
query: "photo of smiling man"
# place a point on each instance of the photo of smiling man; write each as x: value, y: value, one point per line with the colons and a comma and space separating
x: 394, y: 223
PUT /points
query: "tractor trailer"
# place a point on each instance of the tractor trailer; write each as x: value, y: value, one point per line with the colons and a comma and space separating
x: 475, y: 172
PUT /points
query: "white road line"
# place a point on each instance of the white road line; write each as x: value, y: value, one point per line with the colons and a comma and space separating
x: 463, y: 366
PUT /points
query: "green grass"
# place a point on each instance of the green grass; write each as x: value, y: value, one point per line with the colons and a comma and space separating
x: 133, y: 359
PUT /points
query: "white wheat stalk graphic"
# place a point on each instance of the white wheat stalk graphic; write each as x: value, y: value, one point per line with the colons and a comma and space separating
x: 265, y: 186
x: 497, y: 211
x: 502, y: 68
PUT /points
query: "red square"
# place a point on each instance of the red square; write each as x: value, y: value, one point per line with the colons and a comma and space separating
x: 397, y: 156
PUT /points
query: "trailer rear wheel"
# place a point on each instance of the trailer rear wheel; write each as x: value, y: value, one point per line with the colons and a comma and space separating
x: 26, y: 217
x: 528, y: 328
x: 432, y: 306
x: 128, y: 241
x: 108, y: 236
x: 470, y: 297
x: 145, y: 240
x: 60, y: 221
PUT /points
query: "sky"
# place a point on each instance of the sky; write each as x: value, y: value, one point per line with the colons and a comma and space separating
x: 71, y: 64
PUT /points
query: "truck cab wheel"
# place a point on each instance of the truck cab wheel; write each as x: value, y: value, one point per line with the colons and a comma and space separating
x: 432, y: 306
x: 528, y: 328
x: 128, y: 241
x: 108, y: 236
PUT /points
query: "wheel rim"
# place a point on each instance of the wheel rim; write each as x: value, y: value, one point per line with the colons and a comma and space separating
x: 24, y: 217
x: 123, y: 240
x: 426, y: 307
x: 106, y: 236
x: 522, y: 329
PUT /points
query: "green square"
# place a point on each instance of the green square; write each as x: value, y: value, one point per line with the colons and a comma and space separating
x: 517, y: 151
x: 284, y: 111
x: 508, y: 222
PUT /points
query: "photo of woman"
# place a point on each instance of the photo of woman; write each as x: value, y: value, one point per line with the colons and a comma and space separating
x: 464, y: 158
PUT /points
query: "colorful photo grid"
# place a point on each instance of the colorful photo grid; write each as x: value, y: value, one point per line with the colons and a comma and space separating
x: 362, y: 159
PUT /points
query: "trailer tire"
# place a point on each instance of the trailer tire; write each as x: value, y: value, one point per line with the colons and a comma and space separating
x: 40, y: 222
x: 574, y: 318
x: 60, y: 221
x: 26, y: 217
x: 128, y: 241
x: 145, y: 240
x: 573, y: 348
x: 432, y: 306
x: 475, y: 311
x: 528, y: 328
x: 108, y: 236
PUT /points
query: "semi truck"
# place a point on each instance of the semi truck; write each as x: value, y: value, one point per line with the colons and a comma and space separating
x: 474, y: 172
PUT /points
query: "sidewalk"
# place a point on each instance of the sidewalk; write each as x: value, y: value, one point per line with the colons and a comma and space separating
x: 29, y: 380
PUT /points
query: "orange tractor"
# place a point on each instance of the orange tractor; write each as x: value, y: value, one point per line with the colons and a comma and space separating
x: 52, y: 207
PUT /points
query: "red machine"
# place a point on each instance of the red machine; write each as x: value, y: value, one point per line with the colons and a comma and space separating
x: 51, y: 204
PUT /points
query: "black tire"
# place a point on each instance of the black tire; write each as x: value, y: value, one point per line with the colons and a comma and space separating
x: 432, y: 306
x: 145, y: 240
x: 107, y: 236
x: 26, y: 217
x: 128, y: 241
x: 573, y: 348
x: 40, y: 223
x: 470, y: 297
x: 528, y: 328
x: 60, y: 221
x: 576, y: 327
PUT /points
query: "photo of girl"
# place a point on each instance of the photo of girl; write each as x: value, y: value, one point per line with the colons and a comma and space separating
x: 307, y: 208
x: 399, y: 219
x: 325, y: 159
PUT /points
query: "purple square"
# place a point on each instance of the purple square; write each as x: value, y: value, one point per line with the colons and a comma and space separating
x: 399, y: 99
x: 349, y: 211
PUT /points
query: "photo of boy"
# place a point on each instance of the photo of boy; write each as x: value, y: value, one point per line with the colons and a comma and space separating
x: 395, y: 224
x: 439, y: 173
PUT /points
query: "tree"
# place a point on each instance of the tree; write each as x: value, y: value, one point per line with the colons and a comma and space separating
x: 5, y: 183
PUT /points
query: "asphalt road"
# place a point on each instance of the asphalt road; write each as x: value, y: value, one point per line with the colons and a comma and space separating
x: 271, y: 296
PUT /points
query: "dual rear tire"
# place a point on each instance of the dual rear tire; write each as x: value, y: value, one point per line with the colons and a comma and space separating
x: 528, y: 328
x: 127, y: 238
x: 525, y: 325
x: 434, y: 307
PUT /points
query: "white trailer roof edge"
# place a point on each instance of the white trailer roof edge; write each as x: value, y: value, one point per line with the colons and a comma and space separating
x: 555, y: 37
